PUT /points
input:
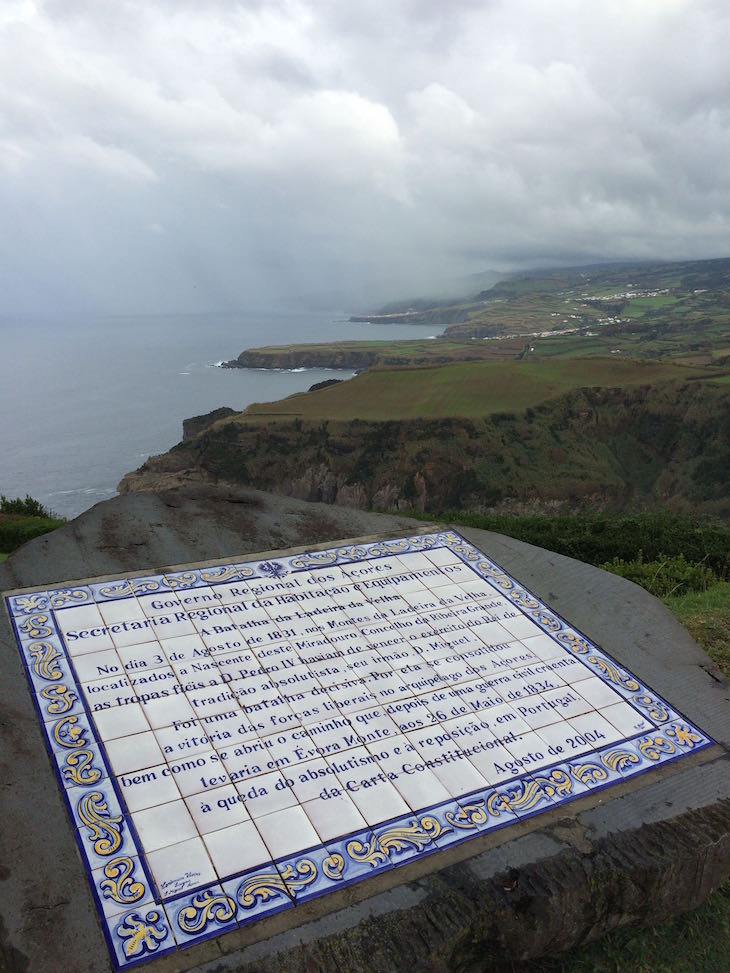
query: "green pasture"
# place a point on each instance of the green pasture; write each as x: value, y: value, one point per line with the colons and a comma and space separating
x: 468, y: 389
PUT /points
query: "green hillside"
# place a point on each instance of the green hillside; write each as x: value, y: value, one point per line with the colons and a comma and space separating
x: 470, y: 389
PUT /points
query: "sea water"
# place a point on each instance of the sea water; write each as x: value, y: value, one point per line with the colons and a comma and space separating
x: 84, y: 400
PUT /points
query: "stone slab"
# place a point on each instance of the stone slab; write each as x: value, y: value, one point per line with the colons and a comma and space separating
x: 382, y: 923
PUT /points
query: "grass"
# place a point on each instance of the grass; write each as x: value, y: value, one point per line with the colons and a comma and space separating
x: 469, y: 389
x: 3, y: 557
x: 706, y: 614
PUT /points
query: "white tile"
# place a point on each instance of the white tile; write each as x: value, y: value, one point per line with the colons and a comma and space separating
x: 269, y: 792
x: 566, y: 701
x: 373, y: 724
x: 180, y: 867
x: 503, y: 720
x: 407, y: 714
x: 481, y: 590
x: 172, y: 626
x: 120, y: 721
x: 431, y: 647
x: 199, y: 599
x: 236, y: 849
x: 334, y: 816
x: 142, y: 656
x: 308, y: 707
x: 441, y: 555
x: 210, y: 700
x: 459, y: 777
x: 497, y: 765
x: 79, y: 619
x: 520, y: 626
x: 453, y: 669
x: 386, y: 688
x: 163, y: 825
x: 530, y: 753
x: 184, y: 738
x: 544, y: 647
x: 459, y: 572
x: 335, y: 734
x: 528, y: 682
x: 184, y: 648
x: 81, y: 641
x: 134, y: 632
x: 351, y: 697
x: 246, y: 759
x: 421, y: 600
x: 109, y: 691
x: 401, y: 654
x: 195, y: 672
x: 417, y: 785
x: 415, y: 561
x: 492, y: 633
x: 537, y: 711
x: 198, y: 773
x: 121, y: 610
x: 162, y: 678
x: 134, y: 752
x: 378, y: 803
x: 237, y: 664
x: 98, y: 665
x: 368, y: 785
x: 570, y: 669
x: 311, y: 778
x: 225, y: 730
x: 148, y: 787
x: 469, y: 728
x: 288, y: 831
x: 159, y: 603
x: 597, y: 693
x: 213, y: 810
x: 421, y: 789
x: 289, y: 682
x: 626, y: 719
x: 595, y: 730
x: 166, y: 710
x: 234, y: 593
x: 563, y: 741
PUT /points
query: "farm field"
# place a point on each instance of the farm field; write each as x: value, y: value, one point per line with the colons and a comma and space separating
x: 468, y: 389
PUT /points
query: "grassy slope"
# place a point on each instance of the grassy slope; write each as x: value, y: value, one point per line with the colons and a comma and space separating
x: 470, y: 389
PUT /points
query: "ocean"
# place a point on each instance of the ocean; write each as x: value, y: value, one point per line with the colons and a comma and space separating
x: 84, y: 400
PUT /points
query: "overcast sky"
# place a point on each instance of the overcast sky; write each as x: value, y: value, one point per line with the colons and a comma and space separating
x: 173, y: 155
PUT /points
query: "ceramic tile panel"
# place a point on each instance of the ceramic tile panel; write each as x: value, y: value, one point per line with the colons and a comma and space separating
x: 235, y: 740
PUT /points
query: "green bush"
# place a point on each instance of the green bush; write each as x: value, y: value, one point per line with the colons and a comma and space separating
x: 599, y: 538
x: 664, y: 576
x: 17, y: 531
x: 21, y: 520
x: 26, y: 508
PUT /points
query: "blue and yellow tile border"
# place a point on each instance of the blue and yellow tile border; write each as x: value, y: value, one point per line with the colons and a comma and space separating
x: 138, y: 926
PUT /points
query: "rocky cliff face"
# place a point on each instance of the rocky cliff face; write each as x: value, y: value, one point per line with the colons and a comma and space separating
x: 329, y: 356
x: 194, y: 426
x: 593, y: 449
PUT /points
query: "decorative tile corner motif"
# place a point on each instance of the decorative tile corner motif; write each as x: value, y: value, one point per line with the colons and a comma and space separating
x: 235, y: 740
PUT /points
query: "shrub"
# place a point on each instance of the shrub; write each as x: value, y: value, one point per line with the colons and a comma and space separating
x: 665, y: 575
x: 26, y: 508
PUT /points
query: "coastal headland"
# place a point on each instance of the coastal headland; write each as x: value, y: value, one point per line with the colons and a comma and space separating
x: 589, y: 389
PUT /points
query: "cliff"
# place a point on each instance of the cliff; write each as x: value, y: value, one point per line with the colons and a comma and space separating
x: 591, y: 449
x: 340, y: 355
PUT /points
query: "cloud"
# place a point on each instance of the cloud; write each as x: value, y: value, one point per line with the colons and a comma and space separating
x: 350, y: 151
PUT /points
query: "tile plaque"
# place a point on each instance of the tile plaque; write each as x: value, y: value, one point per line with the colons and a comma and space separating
x: 234, y: 740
